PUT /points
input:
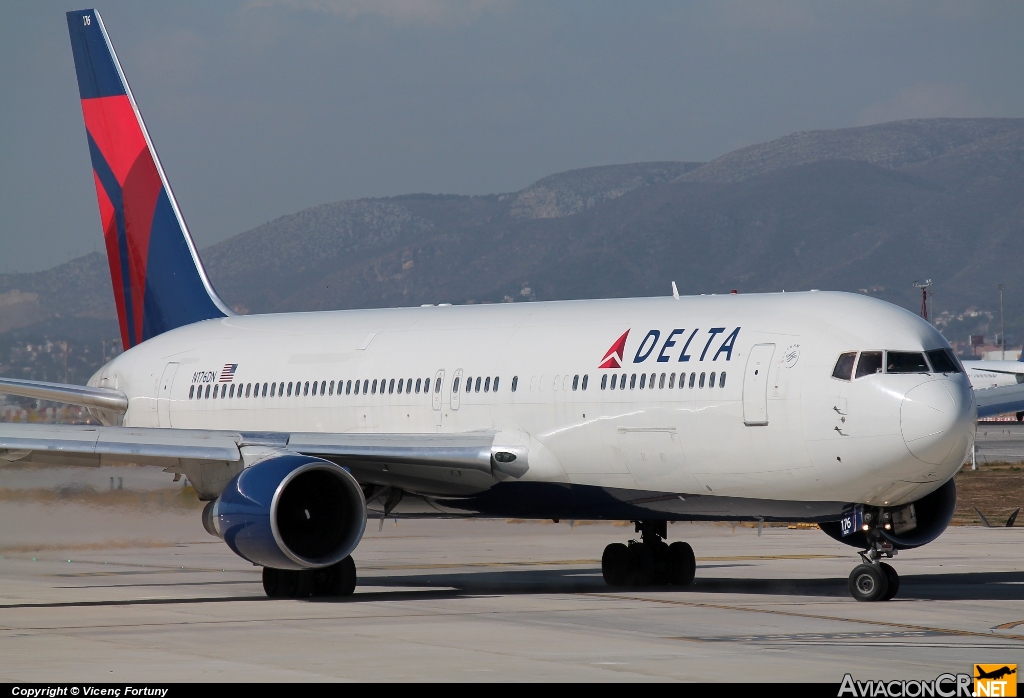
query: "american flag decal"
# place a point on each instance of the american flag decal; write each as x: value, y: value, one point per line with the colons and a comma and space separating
x: 227, y: 374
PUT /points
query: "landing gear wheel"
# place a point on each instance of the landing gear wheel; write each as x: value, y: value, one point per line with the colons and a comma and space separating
x: 682, y: 566
x: 893, y: 580
x: 868, y: 583
x: 641, y: 565
x: 337, y: 580
x: 615, y: 565
x: 280, y: 584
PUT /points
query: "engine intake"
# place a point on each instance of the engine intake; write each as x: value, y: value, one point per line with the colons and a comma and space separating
x: 290, y: 512
x: 912, y: 525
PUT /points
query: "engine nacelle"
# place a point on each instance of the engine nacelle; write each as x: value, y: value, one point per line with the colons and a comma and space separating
x: 912, y: 525
x: 290, y: 512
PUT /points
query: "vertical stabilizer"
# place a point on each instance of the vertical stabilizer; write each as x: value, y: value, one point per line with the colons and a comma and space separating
x: 159, y: 282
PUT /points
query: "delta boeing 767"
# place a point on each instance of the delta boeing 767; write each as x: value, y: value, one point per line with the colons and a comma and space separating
x: 296, y: 428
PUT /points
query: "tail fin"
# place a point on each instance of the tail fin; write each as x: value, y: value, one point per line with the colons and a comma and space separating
x: 159, y: 282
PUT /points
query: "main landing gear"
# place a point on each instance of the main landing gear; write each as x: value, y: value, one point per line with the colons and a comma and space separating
x: 649, y: 560
x: 337, y: 580
x: 874, y: 580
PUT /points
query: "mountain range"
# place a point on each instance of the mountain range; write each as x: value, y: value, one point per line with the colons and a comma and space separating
x: 868, y: 209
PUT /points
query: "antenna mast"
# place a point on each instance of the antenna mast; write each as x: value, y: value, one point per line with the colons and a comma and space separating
x: 923, y: 285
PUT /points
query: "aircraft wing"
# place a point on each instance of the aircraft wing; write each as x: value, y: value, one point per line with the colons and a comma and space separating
x: 210, y: 458
x: 1001, y: 400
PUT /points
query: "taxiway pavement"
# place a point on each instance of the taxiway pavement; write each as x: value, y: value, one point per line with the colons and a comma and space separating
x: 118, y: 590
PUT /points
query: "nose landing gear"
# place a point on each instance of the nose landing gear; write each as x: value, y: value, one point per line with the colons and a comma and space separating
x: 874, y: 580
x: 649, y: 560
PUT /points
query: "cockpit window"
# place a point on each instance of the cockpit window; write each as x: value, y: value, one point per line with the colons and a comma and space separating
x: 905, y: 362
x: 943, y: 361
x: 844, y: 366
x: 870, y: 363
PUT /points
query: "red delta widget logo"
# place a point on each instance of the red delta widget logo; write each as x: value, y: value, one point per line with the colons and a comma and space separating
x: 674, y: 347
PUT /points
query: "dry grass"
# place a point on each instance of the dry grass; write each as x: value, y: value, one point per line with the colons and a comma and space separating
x: 996, y: 489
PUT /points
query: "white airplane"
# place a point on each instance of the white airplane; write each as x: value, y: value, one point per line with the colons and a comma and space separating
x: 998, y: 386
x: 820, y: 407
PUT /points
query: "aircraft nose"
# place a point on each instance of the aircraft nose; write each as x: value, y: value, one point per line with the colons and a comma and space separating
x: 936, y: 419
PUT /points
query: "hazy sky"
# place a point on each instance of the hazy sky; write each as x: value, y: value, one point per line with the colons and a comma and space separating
x: 261, y: 108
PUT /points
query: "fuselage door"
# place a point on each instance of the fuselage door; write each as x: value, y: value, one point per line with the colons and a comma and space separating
x: 436, y: 388
x: 456, y: 387
x: 755, y: 385
x: 163, y: 395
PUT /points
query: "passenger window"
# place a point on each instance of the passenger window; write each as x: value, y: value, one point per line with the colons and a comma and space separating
x: 870, y: 363
x: 248, y: 386
x: 943, y: 361
x: 191, y: 392
x: 206, y: 395
x: 391, y: 386
x: 401, y: 385
x: 487, y: 384
x: 615, y: 377
x: 348, y: 388
x: 702, y: 380
x: 905, y: 362
x: 711, y: 380
x: 273, y: 389
x: 661, y: 382
x: 632, y: 382
x: 455, y: 386
x: 693, y: 377
x: 515, y: 383
x: 585, y: 377
x: 437, y: 385
x: 844, y: 366
x: 330, y: 388
x: 682, y: 380
x: 373, y: 388
x: 476, y: 388
x: 290, y: 388
x: 721, y: 380
x: 622, y: 381
x: 604, y: 381
x: 495, y: 388
x: 671, y: 381
x: 264, y: 390
x: 418, y: 384
x: 305, y: 390
x: 643, y: 380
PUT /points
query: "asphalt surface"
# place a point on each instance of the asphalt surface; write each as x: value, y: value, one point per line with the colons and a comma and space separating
x: 100, y: 584
x: 1000, y: 441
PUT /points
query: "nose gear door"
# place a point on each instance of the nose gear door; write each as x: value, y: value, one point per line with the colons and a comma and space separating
x: 755, y: 385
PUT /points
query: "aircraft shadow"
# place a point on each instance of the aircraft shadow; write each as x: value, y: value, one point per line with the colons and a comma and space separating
x: 960, y: 586
x: 963, y: 586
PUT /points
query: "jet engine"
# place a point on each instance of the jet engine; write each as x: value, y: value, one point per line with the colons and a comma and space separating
x: 290, y: 512
x: 906, y: 526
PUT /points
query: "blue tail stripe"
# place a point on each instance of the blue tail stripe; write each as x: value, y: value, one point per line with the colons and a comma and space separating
x: 113, y: 189
x: 97, y: 74
x: 175, y: 294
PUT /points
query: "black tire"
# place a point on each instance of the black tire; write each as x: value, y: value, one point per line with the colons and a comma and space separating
x: 868, y: 583
x: 641, y: 566
x: 270, y: 583
x: 893, y: 580
x: 682, y: 566
x: 615, y: 565
x: 280, y: 584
